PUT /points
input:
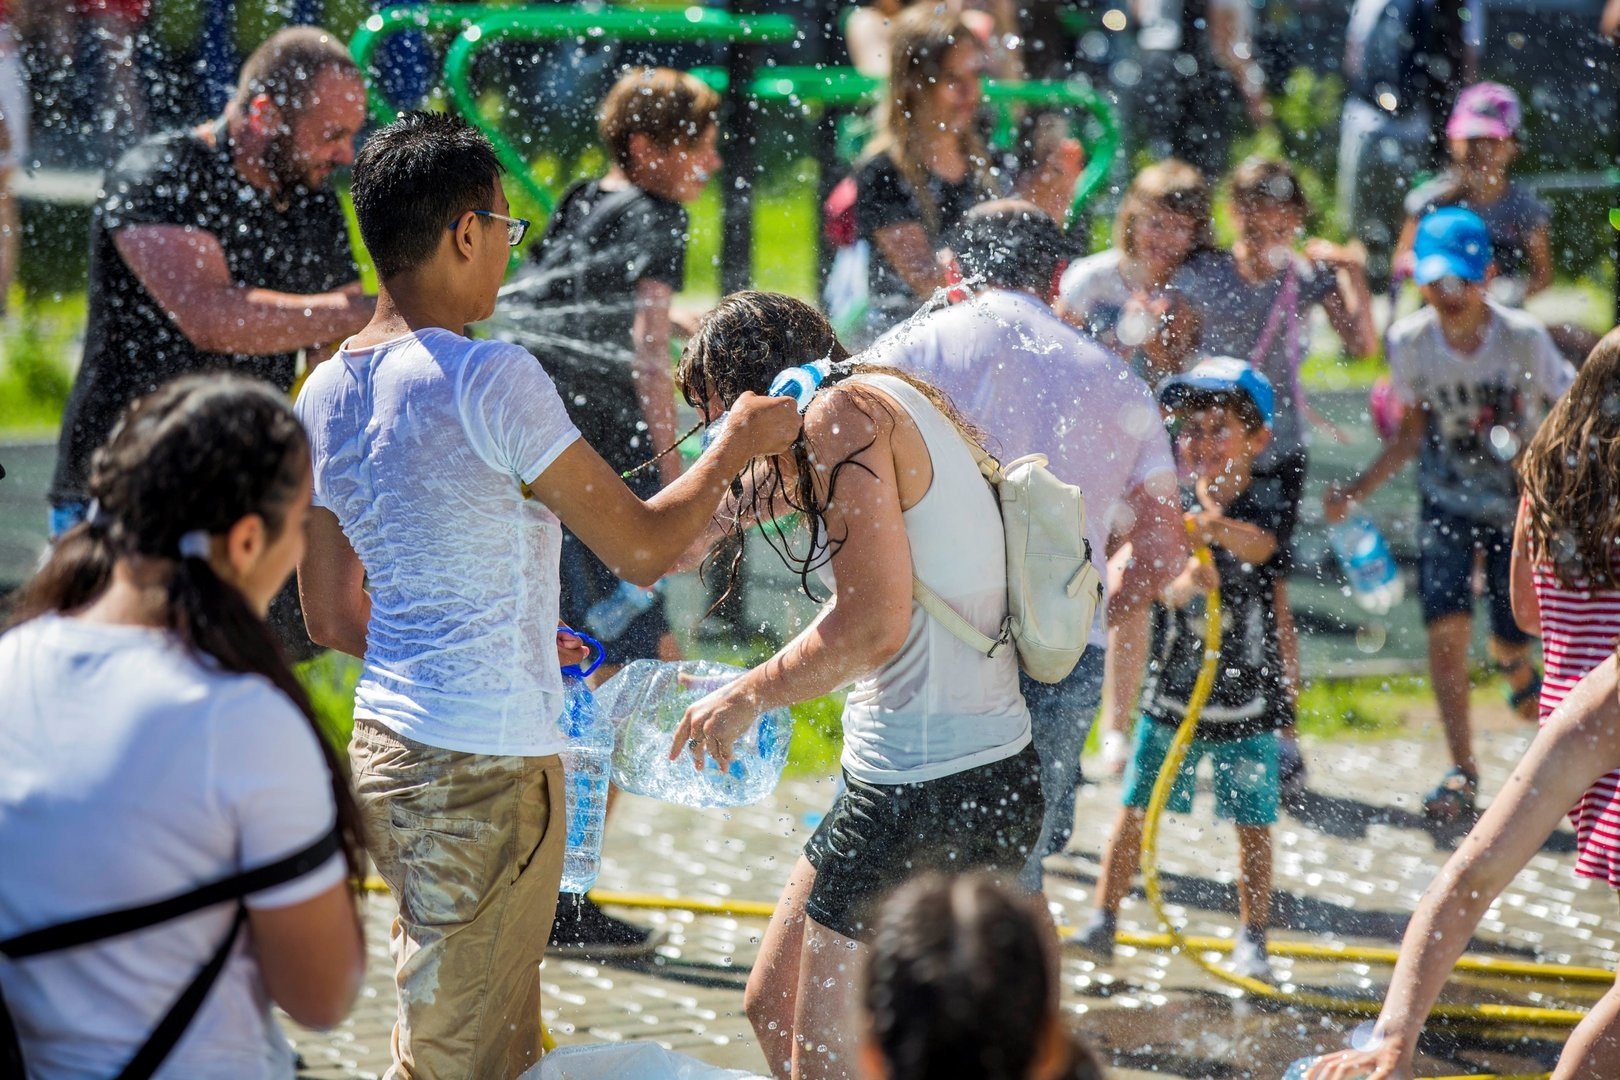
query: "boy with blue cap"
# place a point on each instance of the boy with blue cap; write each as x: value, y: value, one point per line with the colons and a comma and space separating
x: 1474, y: 379
x: 1220, y: 415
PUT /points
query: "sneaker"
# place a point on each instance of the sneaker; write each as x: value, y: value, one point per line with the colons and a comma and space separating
x: 1097, y: 939
x: 1249, y: 957
x: 584, y: 930
x: 1290, y: 767
x: 1452, y: 798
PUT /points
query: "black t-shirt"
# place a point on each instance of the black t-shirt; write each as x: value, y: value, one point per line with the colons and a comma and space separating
x: 1248, y: 697
x: 574, y: 306
x: 131, y: 345
x: 884, y: 198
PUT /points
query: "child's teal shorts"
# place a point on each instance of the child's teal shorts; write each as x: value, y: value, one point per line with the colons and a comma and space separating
x: 1246, y: 776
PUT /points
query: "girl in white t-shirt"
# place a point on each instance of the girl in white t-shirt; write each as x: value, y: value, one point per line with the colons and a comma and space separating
x: 155, y: 741
x: 939, y: 769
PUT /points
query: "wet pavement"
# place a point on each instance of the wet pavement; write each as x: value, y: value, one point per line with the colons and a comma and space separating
x: 1351, y: 861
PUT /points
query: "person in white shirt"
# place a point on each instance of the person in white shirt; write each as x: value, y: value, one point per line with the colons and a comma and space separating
x: 444, y: 469
x: 1040, y: 386
x: 154, y: 741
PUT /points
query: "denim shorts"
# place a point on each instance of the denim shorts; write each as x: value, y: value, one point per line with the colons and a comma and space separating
x: 1447, y: 547
x: 1246, y: 777
x: 878, y: 836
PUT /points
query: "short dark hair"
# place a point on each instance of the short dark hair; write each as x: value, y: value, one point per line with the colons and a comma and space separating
x: 1008, y: 244
x: 665, y: 105
x: 287, y: 64
x: 412, y: 179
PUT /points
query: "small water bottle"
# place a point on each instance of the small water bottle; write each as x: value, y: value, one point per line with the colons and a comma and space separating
x: 1297, y: 1070
x: 612, y: 615
x: 801, y: 383
x: 587, y: 768
x: 712, y: 431
x: 1368, y: 566
x: 645, y: 701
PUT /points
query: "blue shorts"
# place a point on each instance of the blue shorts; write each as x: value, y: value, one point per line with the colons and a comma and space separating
x: 1447, y: 546
x: 1246, y: 776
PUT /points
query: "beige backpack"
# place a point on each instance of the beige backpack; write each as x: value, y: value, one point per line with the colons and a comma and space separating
x: 1052, y: 587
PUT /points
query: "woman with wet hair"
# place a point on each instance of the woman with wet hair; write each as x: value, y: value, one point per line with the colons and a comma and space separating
x: 938, y: 765
x: 155, y: 741
x: 963, y: 981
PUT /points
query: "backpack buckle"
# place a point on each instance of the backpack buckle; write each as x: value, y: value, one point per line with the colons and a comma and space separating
x: 1003, y: 638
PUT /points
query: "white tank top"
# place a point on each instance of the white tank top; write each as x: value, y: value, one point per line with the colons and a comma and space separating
x: 938, y: 706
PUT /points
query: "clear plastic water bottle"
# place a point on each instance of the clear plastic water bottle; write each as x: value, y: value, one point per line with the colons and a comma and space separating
x: 612, y: 615
x: 644, y: 702
x: 1296, y: 1071
x: 587, y: 766
x: 801, y: 383
x: 1367, y: 564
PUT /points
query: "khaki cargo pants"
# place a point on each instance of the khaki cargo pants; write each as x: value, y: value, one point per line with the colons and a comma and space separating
x: 472, y: 847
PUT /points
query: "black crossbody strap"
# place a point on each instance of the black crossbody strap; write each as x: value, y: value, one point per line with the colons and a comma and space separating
x: 174, y: 1023
x: 110, y: 924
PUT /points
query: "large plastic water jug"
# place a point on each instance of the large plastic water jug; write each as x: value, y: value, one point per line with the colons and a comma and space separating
x: 1368, y: 566
x: 587, y: 766
x: 644, y: 703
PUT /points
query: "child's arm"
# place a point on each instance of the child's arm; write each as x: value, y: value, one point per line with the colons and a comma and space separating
x: 1539, y: 248
x: 1349, y: 305
x: 1521, y: 586
x: 1195, y: 579
x: 655, y: 389
x: 1397, y: 452
x: 1400, y: 263
x: 1248, y: 542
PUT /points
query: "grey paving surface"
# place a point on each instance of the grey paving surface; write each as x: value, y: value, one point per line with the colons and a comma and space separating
x: 1350, y: 865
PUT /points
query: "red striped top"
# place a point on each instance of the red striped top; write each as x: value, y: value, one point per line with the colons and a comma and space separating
x: 1579, y: 628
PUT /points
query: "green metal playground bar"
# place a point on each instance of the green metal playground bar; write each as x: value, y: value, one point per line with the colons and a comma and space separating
x: 827, y: 88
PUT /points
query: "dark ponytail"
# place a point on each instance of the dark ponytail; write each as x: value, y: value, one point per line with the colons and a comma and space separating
x: 196, y: 456
x: 962, y: 981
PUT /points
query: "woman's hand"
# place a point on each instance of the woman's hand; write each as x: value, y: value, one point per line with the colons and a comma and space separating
x: 1390, y: 1061
x: 712, y: 725
x: 766, y: 426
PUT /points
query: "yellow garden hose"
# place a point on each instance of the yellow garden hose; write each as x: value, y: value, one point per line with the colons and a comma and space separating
x: 1159, y: 799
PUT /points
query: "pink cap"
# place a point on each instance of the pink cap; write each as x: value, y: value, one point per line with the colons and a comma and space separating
x: 1485, y: 110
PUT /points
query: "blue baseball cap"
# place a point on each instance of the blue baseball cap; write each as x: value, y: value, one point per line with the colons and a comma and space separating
x: 1451, y: 242
x: 1221, y: 375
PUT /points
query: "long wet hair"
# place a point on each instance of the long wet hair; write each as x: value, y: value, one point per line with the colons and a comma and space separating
x: 923, y: 38
x: 963, y: 981
x: 201, y: 453
x: 1571, y: 476
x: 741, y: 346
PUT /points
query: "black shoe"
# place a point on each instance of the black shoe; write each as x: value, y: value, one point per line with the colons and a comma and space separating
x: 582, y: 929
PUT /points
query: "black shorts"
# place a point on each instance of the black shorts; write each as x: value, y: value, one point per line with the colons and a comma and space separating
x: 1282, y: 482
x: 878, y: 836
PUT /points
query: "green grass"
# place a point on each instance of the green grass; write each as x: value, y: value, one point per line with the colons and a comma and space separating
x: 34, y: 377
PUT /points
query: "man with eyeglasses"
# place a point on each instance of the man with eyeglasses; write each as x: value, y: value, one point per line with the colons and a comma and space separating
x: 221, y: 248
x: 444, y: 470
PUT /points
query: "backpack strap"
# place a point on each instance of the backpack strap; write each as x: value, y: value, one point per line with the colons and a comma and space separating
x: 959, y: 627
x: 93, y: 928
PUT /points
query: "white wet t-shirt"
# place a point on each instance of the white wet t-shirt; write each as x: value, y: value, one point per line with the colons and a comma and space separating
x: 1036, y: 385
x: 131, y: 771
x: 422, y: 447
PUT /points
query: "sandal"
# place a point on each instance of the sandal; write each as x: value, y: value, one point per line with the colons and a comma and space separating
x: 1531, y: 693
x: 1453, y: 797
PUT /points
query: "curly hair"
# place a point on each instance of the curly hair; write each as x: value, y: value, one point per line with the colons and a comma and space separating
x: 1571, y: 476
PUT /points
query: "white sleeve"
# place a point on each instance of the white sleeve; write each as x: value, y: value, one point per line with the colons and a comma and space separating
x: 1153, y: 454
x: 1401, y: 362
x: 310, y: 413
x: 1553, y: 374
x: 271, y: 778
x: 512, y: 412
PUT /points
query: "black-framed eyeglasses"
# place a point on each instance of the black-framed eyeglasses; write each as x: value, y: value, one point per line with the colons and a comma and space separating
x: 516, y: 227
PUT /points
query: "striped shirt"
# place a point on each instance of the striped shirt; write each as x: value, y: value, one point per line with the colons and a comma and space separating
x: 1579, y: 629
